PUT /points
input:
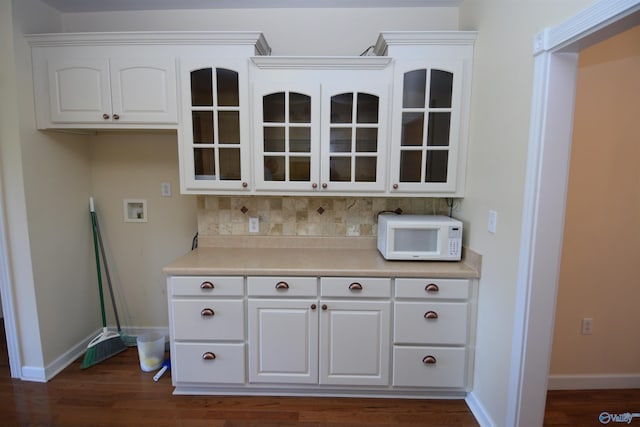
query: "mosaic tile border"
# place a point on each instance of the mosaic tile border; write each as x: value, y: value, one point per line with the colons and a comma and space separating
x: 304, y: 216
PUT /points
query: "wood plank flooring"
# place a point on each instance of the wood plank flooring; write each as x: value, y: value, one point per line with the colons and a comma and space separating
x: 117, y: 393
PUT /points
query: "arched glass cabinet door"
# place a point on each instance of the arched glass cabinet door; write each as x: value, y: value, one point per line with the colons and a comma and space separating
x: 216, y: 125
x: 426, y: 126
x: 353, y: 142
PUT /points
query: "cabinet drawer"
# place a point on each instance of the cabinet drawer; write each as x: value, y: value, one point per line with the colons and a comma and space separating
x: 430, y: 323
x: 207, y: 319
x: 208, y: 363
x: 432, y: 288
x: 355, y: 287
x: 447, y: 367
x: 282, y: 286
x: 206, y: 286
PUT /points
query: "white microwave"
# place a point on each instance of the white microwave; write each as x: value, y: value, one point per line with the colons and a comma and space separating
x: 419, y: 237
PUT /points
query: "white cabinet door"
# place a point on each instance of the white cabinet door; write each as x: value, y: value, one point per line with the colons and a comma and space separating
x: 112, y: 90
x: 287, y: 134
x: 79, y: 90
x: 144, y: 91
x: 354, y: 135
x: 354, y: 342
x: 213, y: 135
x: 283, y: 341
x: 426, y: 135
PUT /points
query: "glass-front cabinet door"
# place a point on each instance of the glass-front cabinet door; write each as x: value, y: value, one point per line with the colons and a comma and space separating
x: 214, y: 150
x: 286, y: 136
x: 353, y: 138
x: 426, y: 124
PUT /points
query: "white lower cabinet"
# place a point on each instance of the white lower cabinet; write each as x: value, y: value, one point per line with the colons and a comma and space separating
x: 328, y: 335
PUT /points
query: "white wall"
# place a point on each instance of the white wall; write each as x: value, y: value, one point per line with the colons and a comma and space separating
x: 499, y: 136
x: 288, y: 31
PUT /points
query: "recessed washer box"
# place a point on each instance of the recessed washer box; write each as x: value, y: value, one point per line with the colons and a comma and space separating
x: 135, y: 210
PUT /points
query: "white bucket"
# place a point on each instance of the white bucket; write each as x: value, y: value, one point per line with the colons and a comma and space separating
x: 150, y: 351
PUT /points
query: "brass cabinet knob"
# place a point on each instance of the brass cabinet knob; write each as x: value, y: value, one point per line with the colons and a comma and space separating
x: 206, y: 285
x: 431, y: 287
x: 105, y: 116
x: 282, y: 285
x: 355, y: 286
x: 207, y: 312
x: 395, y: 186
x: 313, y: 306
x: 431, y: 315
x: 116, y: 117
x: 429, y: 360
x: 324, y: 306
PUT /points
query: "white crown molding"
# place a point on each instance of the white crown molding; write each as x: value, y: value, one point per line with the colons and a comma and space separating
x: 75, y: 6
x: 252, y: 38
x: 582, y: 24
x: 418, y: 38
x: 322, y: 62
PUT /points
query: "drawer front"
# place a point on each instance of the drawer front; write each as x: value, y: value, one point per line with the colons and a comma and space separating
x: 432, y: 288
x: 208, y: 319
x: 447, y: 367
x: 194, y: 363
x: 354, y: 287
x: 194, y: 286
x: 430, y: 323
x: 282, y: 286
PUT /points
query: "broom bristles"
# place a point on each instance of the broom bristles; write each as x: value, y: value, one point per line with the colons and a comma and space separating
x: 101, y: 348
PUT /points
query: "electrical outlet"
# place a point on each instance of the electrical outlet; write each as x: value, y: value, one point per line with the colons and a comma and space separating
x: 165, y: 189
x: 492, y: 223
x: 587, y: 326
x: 254, y: 225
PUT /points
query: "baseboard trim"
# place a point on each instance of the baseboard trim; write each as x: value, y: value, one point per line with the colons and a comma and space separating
x: 39, y: 374
x: 478, y: 410
x: 589, y: 382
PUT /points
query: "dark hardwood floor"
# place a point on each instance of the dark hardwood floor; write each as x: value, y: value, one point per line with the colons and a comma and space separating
x: 117, y: 393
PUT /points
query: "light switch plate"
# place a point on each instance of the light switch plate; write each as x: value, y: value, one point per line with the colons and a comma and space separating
x: 493, y: 222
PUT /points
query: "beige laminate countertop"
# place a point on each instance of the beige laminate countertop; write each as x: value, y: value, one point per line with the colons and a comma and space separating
x: 306, y: 260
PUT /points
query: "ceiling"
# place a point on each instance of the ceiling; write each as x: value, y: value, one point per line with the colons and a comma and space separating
x: 72, y: 6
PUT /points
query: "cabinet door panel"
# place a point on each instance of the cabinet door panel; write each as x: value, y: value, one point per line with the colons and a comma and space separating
x: 354, y: 343
x: 446, y: 367
x: 144, y: 90
x: 430, y: 323
x: 208, y: 319
x: 79, y: 90
x: 210, y: 363
x: 283, y: 341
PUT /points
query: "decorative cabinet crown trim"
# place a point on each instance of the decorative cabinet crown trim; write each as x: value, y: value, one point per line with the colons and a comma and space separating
x: 137, y: 38
x: 322, y: 62
x: 417, y: 38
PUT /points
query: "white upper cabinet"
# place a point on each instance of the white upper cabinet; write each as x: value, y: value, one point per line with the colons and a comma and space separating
x: 320, y: 124
x: 214, y: 136
x: 101, y: 91
x: 431, y: 97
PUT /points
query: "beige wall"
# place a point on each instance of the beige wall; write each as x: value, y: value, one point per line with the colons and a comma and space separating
x: 598, y: 276
x: 497, y: 158
x: 133, y: 166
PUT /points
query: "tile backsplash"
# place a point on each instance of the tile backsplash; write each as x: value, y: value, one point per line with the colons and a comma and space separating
x: 304, y: 216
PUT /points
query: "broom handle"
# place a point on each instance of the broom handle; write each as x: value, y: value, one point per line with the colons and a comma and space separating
x: 95, y: 248
x: 106, y: 270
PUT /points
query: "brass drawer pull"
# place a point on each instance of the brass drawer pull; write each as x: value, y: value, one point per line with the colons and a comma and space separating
x: 432, y: 287
x: 105, y: 116
x: 206, y: 285
x: 207, y: 312
x: 355, y: 286
x: 116, y: 117
x: 429, y: 360
x: 431, y: 315
x: 282, y: 285
x: 208, y: 356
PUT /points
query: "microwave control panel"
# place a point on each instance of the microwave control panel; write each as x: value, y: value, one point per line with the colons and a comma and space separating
x: 455, y: 241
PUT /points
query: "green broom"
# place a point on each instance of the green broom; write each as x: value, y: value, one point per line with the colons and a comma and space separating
x: 108, y: 343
